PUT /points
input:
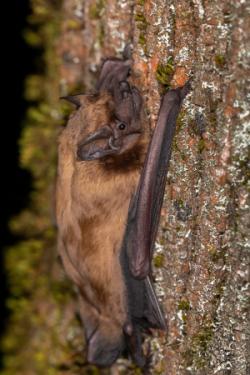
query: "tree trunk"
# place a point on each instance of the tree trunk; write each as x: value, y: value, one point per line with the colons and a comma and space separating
x: 200, y: 261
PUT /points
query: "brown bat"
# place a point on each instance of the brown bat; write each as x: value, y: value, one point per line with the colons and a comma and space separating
x: 110, y: 188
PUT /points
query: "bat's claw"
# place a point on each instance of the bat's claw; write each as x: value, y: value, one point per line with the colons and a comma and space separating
x: 186, y: 88
x: 148, y: 360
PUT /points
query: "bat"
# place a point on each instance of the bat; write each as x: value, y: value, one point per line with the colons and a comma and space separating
x: 110, y: 186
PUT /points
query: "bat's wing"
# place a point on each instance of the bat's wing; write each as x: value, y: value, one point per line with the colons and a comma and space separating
x: 144, y: 212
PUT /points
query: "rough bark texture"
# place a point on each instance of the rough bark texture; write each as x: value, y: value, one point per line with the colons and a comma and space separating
x: 201, y: 267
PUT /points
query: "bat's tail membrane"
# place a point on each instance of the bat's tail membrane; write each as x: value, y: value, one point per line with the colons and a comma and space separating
x: 154, y: 312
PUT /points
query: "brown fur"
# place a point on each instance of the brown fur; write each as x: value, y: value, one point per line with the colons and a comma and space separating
x: 92, y: 206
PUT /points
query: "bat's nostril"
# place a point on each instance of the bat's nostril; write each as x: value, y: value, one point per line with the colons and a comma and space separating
x: 114, y: 144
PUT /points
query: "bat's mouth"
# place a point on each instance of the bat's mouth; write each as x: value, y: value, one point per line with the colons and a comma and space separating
x: 95, y: 145
x: 99, y: 149
x: 103, y: 143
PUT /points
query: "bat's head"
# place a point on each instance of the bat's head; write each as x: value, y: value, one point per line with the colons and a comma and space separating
x: 111, y: 118
x: 112, y: 126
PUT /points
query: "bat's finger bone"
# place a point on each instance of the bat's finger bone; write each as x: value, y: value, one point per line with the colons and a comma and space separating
x: 128, y: 329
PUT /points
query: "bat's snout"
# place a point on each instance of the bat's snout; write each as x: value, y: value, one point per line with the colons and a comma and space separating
x: 104, y: 351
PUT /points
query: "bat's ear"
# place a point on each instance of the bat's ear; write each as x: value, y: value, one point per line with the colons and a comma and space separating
x: 77, y: 100
x: 113, y: 71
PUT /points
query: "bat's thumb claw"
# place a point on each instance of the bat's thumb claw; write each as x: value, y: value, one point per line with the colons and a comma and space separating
x: 186, y: 88
x: 148, y: 362
x: 127, y: 53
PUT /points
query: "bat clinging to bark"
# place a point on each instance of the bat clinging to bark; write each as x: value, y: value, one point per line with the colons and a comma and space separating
x: 110, y: 188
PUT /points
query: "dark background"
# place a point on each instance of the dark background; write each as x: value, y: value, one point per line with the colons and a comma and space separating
x: 16, y: 184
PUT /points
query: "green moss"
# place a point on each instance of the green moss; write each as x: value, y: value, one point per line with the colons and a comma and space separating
x: 101, y: 34
x: 184, y: 305
x: 197, y: 355
x: 21, y: 262
x: 141, y: 2
x: 201, y: 145
x: 220, y: 61
x: 73, y: 24
x: 61, y: 291
x: 34, y: 88
x: 178, y: 150
x: 219, y: 290
x: 180, y: 122
x: 32, y: 38
x: 202, y: 339
x: 142, y: 25
x: 39, y: 293
x: 159, y: 260
x: 96, y: 9
x: 164, y: 72
x: 95, y: 13
x: 141, y: 21
x: 212, y: 116
x: 137, y: 371
x: 142, y: 39
x: 217, y: 254
x: 180, y: 203
x: 160, y: 368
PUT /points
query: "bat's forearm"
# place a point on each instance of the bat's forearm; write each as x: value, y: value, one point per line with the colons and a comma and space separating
x: 150, y: 191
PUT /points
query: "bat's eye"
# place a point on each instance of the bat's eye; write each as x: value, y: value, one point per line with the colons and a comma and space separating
x: 121, y: 126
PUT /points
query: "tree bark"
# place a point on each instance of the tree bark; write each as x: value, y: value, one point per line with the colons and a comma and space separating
x: 201, y: 261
